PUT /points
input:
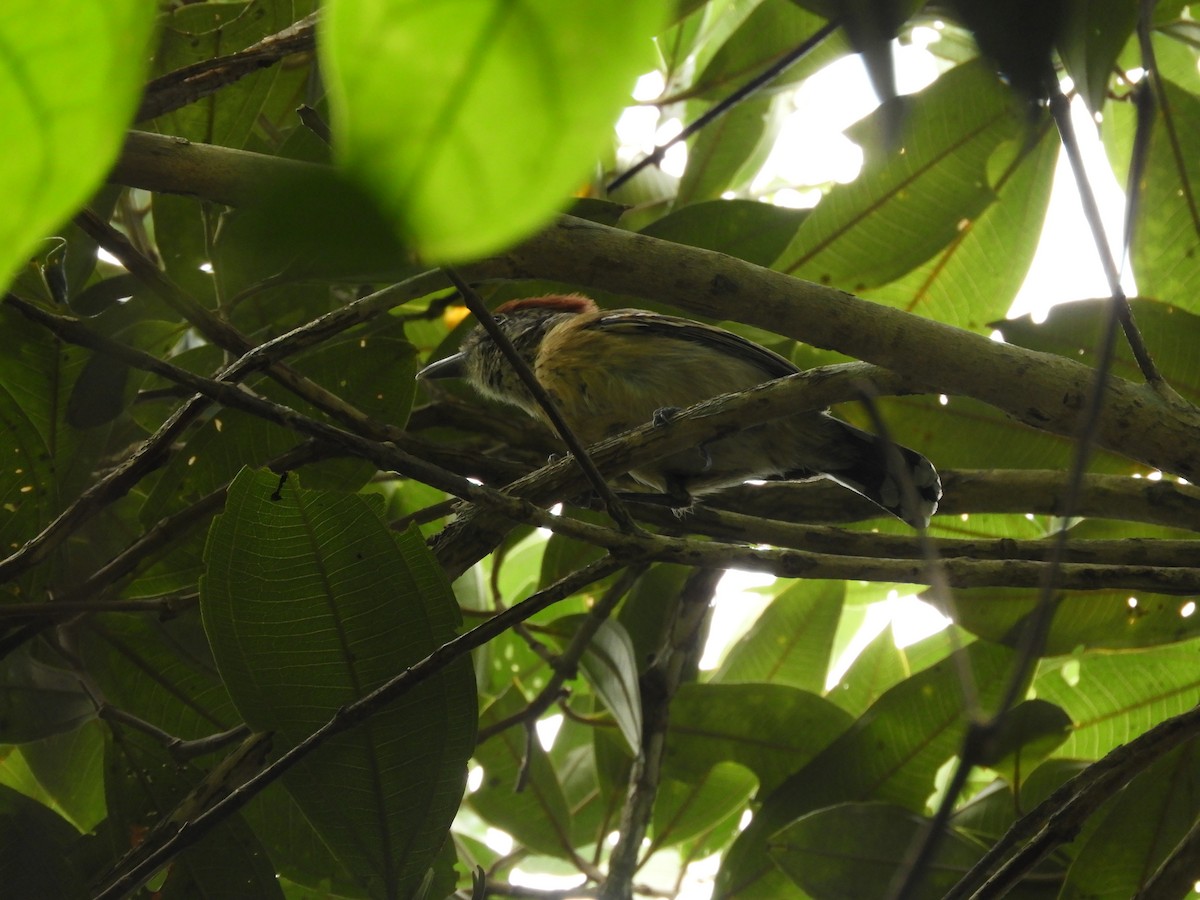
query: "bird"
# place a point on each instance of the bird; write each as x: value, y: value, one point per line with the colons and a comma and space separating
x: 612, y: 370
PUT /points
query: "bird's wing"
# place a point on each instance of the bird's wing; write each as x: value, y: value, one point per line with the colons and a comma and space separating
x: 635, y: 322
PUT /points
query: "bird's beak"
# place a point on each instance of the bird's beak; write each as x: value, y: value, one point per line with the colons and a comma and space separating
x: 450, y: 367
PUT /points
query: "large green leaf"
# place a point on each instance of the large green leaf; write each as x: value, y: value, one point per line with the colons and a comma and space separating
x: 161, y: 672
x: 968, y: 283
x: 892, y: 753
x: 611, y: 669
x: 726, y: 154
x: 473, y: 121
x: 38, y: 700
x: 1114, y: 697
x: 685, y: 811
x: 882, y: 664
x: 771, y: 729
x: 1093, y: 35
x: 70, y: 769
x: 535, y: 813
x: 772, y: 30
x: 310, y: 603
x: 1082, y: 619
x: 1166, y: 243
x: 36, y: 850
x: 854, y: 849
x: 791, y: 640
x: 1117, y: 859
x: 753, y: 231
x: 925, y: 194
x: 70, y: 77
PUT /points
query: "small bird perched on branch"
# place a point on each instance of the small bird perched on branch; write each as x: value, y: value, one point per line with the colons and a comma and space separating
x: 612, y: 370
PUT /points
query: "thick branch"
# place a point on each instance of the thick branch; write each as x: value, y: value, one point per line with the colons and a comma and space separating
x: 1040, y: 389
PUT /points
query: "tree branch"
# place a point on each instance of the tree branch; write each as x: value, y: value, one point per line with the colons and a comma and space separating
x: 191, y: 83
x: 1041, y: 390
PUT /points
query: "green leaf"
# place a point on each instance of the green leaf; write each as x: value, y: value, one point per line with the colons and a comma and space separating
x: 771, y: 729
x: 882, y: 664
x: 563, y: 555
x: 854, y: 849
x: 504, y: 107
x: 536, y: 816
x: 967, y: 283
x: 684, y: 810
x: 1166, y: 242
x: 753, y: 231
x: 37, y: 700
x: 1117, y: 858
x: 196, y: 33
x: 310, y: 603
x: 36, y: 850
x: 1022, y: 736
x: 1093, y: 35
x: 315, y: 228
x: 892, y: 754
x: 647, y: 611
x: 70, y: 768
x: 940, y: 181
x: 72, y: 76
x: 161, y: 672
x: 611, y: 669
x: 772, y: 30
x: 593, y: 811
x: 1073, y: 330
x: 1112, y: 698
x: 296, y: 850
x: 726, y: 155
x: 791, y: 640
x: 1082, y: 619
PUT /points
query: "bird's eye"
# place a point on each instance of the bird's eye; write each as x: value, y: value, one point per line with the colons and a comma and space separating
x: 500, y: 319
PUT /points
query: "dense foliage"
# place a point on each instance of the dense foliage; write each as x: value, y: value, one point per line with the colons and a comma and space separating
x: 232, y: 513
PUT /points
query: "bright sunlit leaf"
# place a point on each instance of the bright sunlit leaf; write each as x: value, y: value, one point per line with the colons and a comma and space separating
x: 71, y: 74
x: 472, y: 143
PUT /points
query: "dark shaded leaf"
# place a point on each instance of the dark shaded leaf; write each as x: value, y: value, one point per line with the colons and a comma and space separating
x: 310, y: 603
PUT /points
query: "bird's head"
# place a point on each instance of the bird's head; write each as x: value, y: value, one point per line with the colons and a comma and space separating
x: 525, y: 323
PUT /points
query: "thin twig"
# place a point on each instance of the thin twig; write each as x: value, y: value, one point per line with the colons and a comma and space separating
x: 1176, y: 875
x: 1060, y: 109
x: 216, y: 330
x: 176, y: 746
x: 187, y: 85
x: 565, y: 666
x: 165, y: 607
x: 727, y: 103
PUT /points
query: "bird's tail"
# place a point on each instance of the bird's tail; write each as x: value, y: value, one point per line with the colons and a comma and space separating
x: 898, y: 479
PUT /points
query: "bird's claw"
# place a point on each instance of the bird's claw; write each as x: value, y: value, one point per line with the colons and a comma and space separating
x: 664, y: 414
